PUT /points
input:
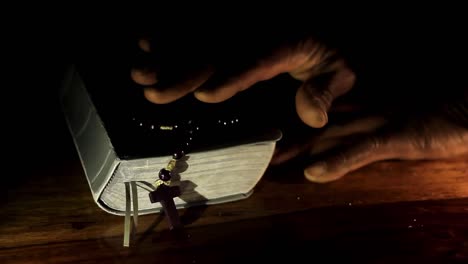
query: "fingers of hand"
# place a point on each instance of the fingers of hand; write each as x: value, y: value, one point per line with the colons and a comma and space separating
x: 331, y: 137
x: 172, y: 92
x: 168, y: 72
x: 314, y: 97
x: 435, y: 138
x: 359, y: 126
x: 145, y: 73
x: 300, y: 58
x: 324, y: 145
x: 432, y: 139
x: 279, y: 61
x: 283, y: 155
x: 144, y: 76
x: 312, y: 105
x: 347, y: 159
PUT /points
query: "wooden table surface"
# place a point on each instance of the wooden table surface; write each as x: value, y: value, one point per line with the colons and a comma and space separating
x: 388, y: 212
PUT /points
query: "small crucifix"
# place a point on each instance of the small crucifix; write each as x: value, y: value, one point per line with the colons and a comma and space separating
x: 165, y: 195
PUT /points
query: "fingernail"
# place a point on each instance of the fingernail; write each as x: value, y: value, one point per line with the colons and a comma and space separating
x: 315, y: 173
x: 311, y: 111
x: 314, y: 117
x: 321, y: 118
x: 321, y: 107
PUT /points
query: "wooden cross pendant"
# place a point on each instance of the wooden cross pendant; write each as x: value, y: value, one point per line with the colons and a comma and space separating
x: 165, y: 195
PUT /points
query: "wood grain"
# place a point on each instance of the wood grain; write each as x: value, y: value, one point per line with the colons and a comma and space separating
x: 416, y: 231
x: 388, y: 211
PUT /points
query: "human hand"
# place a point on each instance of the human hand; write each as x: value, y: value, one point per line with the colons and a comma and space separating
x: 360, y: 142
x: 325, y: 75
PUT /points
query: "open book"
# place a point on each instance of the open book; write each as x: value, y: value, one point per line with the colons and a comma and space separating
x: 213, y: 173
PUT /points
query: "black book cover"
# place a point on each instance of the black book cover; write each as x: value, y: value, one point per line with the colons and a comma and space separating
x: 132, y: 122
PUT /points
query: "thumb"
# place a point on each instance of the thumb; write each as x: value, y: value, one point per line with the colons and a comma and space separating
x: 315, y: 96
x: 349, y: 158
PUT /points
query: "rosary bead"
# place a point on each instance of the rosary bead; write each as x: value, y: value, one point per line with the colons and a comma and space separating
x: 164, y: 175
x: 178, y: 155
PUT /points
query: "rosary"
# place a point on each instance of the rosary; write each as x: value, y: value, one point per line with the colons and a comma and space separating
x: 163, y: 191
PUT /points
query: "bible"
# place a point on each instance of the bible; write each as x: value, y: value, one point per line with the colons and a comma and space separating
x: 142, y: 158
x: 122, y: 137
x: 118, y: 146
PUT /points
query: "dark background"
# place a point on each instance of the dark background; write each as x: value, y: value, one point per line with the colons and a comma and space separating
x: 417, y: 55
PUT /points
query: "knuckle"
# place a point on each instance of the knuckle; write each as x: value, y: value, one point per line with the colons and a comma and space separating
x: 425, y: 143
x: 342, y: 159
x: 374, y: 143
